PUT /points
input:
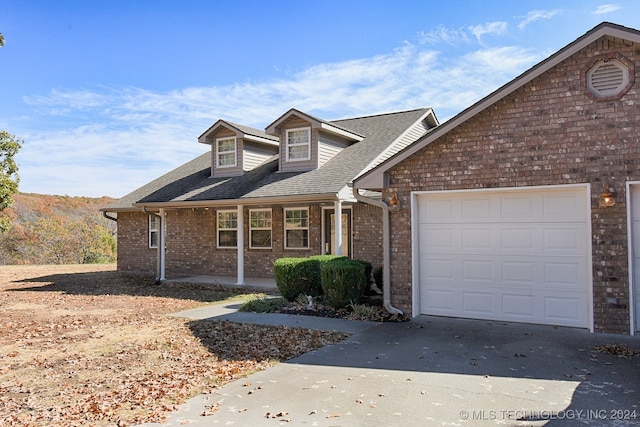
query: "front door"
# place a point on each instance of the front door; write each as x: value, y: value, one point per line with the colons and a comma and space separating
x: 330, y: 232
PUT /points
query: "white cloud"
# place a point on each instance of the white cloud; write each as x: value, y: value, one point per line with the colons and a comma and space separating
x: 606, y: 8
x: 439, y: 34
x: 536, y: 15
x: 497, y: 28
x: 110, y: 141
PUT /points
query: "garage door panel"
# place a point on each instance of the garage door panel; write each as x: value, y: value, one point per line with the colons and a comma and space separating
x: 437, y: 239
x: 519, y: 307
x: 474, y: 239
x: 478, y: 271
x: 564, y: 239
x: 520, y: 238
x: 517, y: 256
x: 438, y: 270
x: 478, y: 302
x: 441, y: 301
x: 476, y: 208
x: 440, y: 210
x: 565, y: 275
x: 563, y: 205
x: 519, y: 272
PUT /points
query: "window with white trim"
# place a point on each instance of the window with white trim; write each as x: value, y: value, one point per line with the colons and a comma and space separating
x: 296, y: 228
x: 226, y: 152
x: 154, y: 229
x: 260, y: 228
x: 298, y: 144
x: 227, y: 229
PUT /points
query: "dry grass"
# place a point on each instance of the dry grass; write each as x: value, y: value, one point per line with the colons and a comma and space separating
x: 82, y: 345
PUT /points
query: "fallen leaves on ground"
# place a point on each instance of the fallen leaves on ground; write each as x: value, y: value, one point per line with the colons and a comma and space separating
x: 84, y: 346
x: 616, y: 349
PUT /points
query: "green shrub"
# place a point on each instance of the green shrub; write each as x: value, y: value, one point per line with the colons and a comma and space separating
x: 343, y: 282
x: 368, y: 268
x: 295, y: 276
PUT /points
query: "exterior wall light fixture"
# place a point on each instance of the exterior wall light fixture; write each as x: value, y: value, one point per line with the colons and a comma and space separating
x: 608, y: 196
x: 394, y: 203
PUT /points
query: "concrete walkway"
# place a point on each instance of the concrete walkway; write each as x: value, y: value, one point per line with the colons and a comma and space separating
x: 430, y: 371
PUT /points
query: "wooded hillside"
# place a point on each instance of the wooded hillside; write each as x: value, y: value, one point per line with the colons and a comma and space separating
x: 49, y: 229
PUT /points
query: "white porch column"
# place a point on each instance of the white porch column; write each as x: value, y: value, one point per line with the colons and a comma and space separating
x: 162, y: 236
x: 240, y: 234
x: 338, y: 226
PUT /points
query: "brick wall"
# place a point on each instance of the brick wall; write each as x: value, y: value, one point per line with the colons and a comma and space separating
x: 367, y: 234
x: 134, y: 255
x: 548, y: 132
x: 191, y: 244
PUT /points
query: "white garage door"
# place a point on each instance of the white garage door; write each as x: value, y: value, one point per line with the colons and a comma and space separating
x: 517, y: 255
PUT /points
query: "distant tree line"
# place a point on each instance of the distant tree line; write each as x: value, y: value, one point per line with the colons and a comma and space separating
x: 57, y: 230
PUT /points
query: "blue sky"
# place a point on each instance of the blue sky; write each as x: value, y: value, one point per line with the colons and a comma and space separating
x: 108, y: 95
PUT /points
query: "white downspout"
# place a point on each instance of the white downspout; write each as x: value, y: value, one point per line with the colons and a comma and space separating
x: 386, y: 251
x: 160, y: 269
x: 240, y: 244
x: 337, y: 210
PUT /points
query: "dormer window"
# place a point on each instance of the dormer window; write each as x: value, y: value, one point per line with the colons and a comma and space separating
x: 226, y: 152
x: 298, y: 144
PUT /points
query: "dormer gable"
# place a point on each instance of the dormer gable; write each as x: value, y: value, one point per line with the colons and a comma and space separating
x: 306, y: 142
x: 236, y: 149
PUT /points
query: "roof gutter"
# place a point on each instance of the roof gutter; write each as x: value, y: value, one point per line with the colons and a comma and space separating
x: 386, y: 250
x: 106, y: 215
x: 310, y: 198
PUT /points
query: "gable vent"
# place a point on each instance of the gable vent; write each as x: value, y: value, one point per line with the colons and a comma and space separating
x: 607, y: 78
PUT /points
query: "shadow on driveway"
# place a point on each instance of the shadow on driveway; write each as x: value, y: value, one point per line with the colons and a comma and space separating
x: 439, y: 371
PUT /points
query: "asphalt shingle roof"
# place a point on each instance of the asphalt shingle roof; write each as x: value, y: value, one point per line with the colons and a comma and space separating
x: 192, y: 182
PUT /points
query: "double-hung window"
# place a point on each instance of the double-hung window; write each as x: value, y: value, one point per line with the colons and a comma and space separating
x: 227, y: 229
x: 260, y: 228
x: 226, y: 152
x: 296, y: 228
x: 298, y: 144
x: 154, y: 229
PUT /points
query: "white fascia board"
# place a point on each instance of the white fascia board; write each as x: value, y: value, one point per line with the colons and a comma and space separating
x: 341, y: 132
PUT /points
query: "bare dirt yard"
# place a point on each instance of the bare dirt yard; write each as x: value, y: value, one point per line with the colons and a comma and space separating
x: 81, y: 345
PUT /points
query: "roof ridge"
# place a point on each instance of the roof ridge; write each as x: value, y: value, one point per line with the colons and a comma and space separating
x: 381, y: 114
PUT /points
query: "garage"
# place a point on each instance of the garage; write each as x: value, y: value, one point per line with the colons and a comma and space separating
x: 520, y: 254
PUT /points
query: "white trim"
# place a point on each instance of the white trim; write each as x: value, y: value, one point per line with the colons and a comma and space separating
x: 345, y: 210
x: 284, y: 224
x: 218, y: 212
x: 415, y: 273
x: 633, y: 287
x: 150, y: 230
x: 287, y: 146
x: 270, y: 228
x: 235, y: 152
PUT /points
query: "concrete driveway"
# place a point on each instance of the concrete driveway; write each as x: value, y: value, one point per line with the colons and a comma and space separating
x: 436, y: 371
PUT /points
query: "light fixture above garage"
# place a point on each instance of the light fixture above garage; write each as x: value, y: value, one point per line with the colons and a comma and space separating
x: 394, y: 203
x: 608, y: 196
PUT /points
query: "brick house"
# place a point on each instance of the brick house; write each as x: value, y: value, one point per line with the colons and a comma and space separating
x: 259, y: 195
x: 525, y: 206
